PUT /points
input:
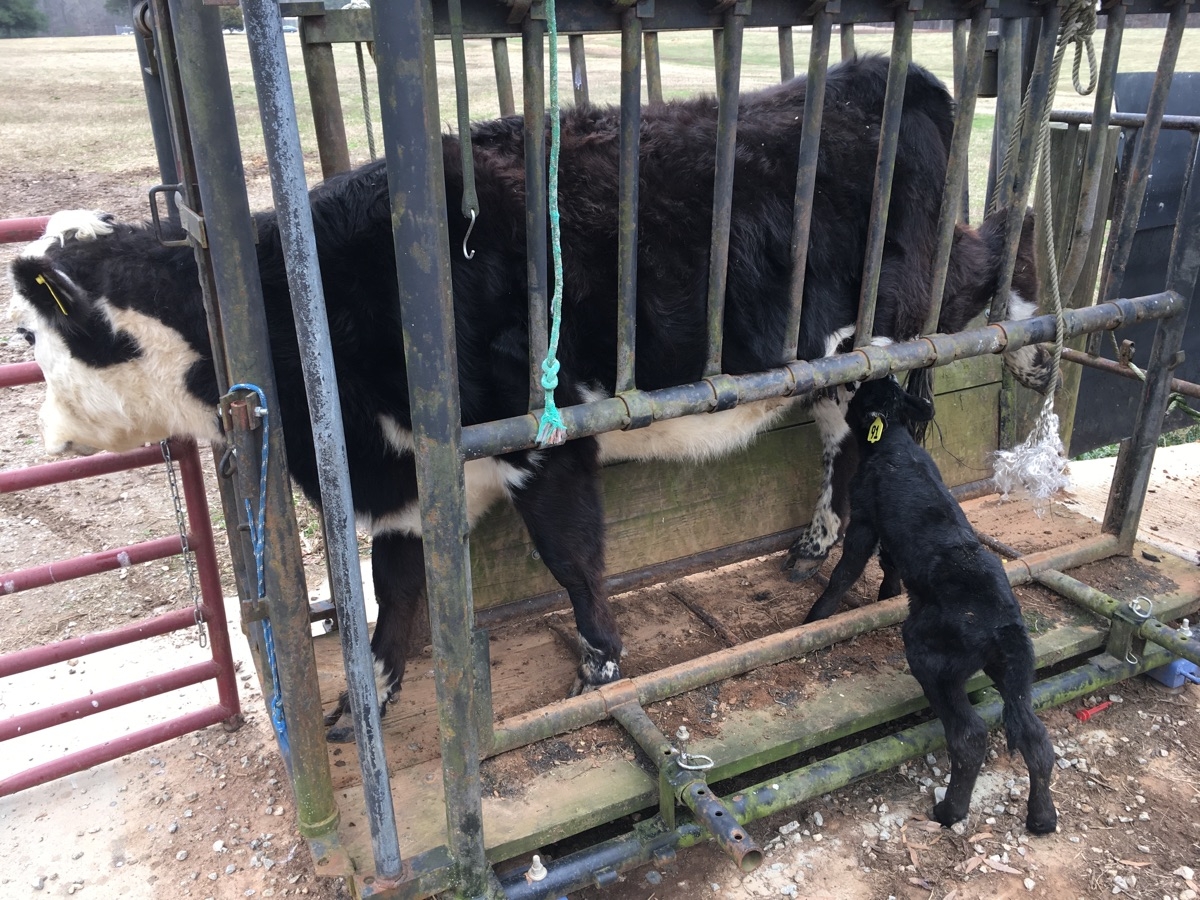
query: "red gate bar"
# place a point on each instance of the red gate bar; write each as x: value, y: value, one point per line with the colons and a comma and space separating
x: 78, y: 467
x: 115, y: 749
x: 20, y: 373
x: 91, y: 564
x: 48, y: 654
x: 18, y: 231
x: 69, y: 710
x: 212, y: 607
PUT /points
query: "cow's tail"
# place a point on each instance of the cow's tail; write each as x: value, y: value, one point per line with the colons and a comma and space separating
x: 920, y: 385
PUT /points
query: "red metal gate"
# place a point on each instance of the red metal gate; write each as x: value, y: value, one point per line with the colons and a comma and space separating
x: 209, y: 612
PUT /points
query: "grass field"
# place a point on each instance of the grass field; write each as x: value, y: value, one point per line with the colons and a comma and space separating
x: 76, y: 104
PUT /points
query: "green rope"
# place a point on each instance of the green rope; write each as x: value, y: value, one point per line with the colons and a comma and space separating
x: 551, y: 430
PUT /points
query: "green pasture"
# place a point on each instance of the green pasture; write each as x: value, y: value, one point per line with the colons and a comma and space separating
x: 76, y: 104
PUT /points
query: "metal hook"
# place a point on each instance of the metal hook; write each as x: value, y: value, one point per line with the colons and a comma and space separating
x: 469, y: 254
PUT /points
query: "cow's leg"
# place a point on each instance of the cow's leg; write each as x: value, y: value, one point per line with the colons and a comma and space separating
x: 839, y: 458
x: 398, y: 573
x: 560, y: 504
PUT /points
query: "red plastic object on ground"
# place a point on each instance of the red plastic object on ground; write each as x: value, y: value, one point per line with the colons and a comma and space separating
x: 1084, y: 714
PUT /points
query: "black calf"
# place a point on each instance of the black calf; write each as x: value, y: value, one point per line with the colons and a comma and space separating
x: 962, y: 613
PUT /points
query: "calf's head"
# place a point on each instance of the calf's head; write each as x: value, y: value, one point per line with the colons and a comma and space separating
x: 108, y: 325
x: 886, y: 402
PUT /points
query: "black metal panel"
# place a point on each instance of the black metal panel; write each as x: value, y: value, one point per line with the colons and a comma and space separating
x: 1105, y: 412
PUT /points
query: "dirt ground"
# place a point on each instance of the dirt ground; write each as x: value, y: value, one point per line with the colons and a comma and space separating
x: 210, y: 814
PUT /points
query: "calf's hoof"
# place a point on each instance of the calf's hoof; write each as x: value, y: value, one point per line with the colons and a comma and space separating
x: 1042, y: 822
x: 947, y: 815
x: 340, y: 734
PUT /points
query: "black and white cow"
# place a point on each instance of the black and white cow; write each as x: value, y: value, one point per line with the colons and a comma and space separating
x: 117, y: 323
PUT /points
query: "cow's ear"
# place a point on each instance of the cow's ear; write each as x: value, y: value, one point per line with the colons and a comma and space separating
x: 48, y: 290
x: 916, y: 409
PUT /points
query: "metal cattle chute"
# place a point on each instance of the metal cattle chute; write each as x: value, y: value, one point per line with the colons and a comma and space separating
x: 460, y: 836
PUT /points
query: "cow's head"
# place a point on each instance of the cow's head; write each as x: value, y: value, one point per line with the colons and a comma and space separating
x: 91, y: 305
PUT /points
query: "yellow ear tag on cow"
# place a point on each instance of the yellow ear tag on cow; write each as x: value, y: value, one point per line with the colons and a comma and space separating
x: 41, y: 279
x: 875, y: 432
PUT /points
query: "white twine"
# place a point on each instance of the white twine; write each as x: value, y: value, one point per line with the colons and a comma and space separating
x: 1038, y: 465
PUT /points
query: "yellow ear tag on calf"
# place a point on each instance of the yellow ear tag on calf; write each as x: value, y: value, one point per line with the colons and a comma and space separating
x: 875, y: 432
x: 41, y: 279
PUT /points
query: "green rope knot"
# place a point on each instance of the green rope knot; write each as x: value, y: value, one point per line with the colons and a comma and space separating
x: 551, y: 430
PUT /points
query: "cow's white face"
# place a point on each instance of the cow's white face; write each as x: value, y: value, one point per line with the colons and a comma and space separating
x: 116, y: 378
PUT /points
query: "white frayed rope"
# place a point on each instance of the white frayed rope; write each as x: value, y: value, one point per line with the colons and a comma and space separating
x: 1037, y: 465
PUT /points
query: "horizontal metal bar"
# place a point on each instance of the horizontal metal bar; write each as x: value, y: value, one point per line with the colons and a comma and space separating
x: 802, y: 377
x: 576, y: 712
x: 878, y: 756
x: 1187, y: 388
x: 89, y: 564
x: 47, y: 654
x: 18, y: 231
x: 640, y: 846
x: 1150, y: 628
x: 486, y: 20
x: 101, y: 701
x: 78, y: 467
x: 20, y: 373
x: 1125, y: 120
x: 114, y: 749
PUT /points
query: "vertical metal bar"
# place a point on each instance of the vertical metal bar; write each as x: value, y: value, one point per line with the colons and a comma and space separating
x: 1014, y: 194
x: 953, y: 198
x: 889, y: 136
x: 504, y: 90
x: 960, y: 75
x: 718, y: 258
x: 787, y: 54
x: 654, y: 86
x: 204, y: 78
x: 579, y: 79
x: 627, y: 191
x: 1120, y: 195
x: 1008, y: 105
x: 846, y: 36
x: 806, y: 172
x: 277, y: 110
x: 1080, y: 237
x: 1121, y: 243
x: 156, y: 106
x: 404, y: 49
x: 200, y: 542
x: 321, y: 75
x: 533, y: 38
x: 1127, y: 495
x: 718, y: 56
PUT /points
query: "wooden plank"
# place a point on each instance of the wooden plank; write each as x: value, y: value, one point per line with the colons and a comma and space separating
x: 660, y: 511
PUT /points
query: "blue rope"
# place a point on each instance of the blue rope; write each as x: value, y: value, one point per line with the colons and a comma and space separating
x: 258, y: 537
x: 551, y: 430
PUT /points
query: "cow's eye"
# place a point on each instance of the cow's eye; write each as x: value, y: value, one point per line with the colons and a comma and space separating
x: 27, y: 334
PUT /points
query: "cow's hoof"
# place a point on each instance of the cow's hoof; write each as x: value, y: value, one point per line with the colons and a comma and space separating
x: 1042, y: 822
x: 340, y: 734
x: 1033, y: 366
x: 593, y: 674
x: 338, y: 711
x: 802, y: 568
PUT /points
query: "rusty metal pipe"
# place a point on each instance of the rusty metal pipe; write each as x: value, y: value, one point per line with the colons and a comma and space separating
x: 1186, y: 388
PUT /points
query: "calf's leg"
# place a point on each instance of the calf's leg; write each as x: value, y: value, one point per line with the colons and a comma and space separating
x: 1025, y: 732
x: 966, y: 734
x: 856, y: 552
x: 398, y: 573
x: 560, y: 505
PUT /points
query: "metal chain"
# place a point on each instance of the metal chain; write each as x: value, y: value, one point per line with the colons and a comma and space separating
x: 189, y: 564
